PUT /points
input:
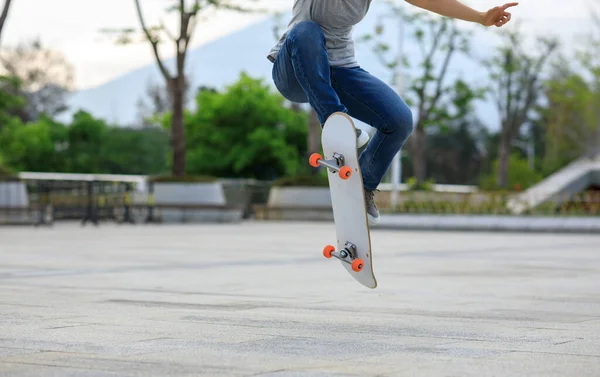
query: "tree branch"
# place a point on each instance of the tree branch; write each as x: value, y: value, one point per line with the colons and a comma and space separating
x: 420, y: 89
x: 167, y: 32
x: 192, y: 24
x: 531, y: 77
x: 519, y: 102
x: 153, y: 42
x: 496, y: 98
x: 444, y: 70
x: 4, y: 15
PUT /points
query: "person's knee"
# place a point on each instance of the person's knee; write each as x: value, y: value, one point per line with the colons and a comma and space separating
x: 401, y: 122
x: 306, y: 31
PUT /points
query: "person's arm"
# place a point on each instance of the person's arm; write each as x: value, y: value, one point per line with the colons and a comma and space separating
x: 452, y: 8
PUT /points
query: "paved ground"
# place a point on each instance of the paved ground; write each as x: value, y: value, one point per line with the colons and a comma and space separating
x: 259, y: 300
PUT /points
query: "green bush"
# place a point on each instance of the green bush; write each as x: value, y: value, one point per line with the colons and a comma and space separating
x: 6, y: 172
x: 244, y: 132
x: 87, y: 145
x: 519, y: 175
x: 425, y: 186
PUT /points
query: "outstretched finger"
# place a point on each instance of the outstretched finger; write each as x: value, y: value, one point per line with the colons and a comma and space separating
x: 508, y: 5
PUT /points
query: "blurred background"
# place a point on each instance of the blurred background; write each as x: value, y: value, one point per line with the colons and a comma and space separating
x: 164, y: 111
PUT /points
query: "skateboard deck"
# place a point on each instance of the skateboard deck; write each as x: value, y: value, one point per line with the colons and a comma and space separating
x: 353, y: 246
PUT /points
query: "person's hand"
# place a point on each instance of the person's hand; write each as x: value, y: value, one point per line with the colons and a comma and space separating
x: 497, y: 16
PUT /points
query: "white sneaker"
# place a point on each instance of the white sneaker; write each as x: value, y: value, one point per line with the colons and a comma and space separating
x: 364, y: 132
x: 362, y: 138
x: 372, y: 210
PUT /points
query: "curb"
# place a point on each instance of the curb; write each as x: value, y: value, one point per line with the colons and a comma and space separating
x: 583, y: 225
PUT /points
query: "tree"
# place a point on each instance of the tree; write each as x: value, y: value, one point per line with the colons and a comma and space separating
x: 437, y: 101
x: 135, y: 151
x: 455, y: 155
x: 85, y: 137
x: 35, y: 147
x: 519, y: 177
x: 516, y: 73
x: 46, y: 77
x: 87, y: 145
x: 570, y: 117
x: 4, y: 16
x: 244, y: 132
x: 10, y: 105
x: 11, y: 101
x: 188, y: 16
x: 160, y: 102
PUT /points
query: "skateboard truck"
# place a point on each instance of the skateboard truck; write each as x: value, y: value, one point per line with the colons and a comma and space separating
x: 335, y: 165
x: 346, y: 255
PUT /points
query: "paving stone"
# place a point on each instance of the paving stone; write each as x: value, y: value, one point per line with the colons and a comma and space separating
x: 258, y: 299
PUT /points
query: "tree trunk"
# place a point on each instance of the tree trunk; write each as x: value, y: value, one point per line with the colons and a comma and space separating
x: 419, y: 155
x: 314, y: 135
x: 177, y: 127
x: 4, y: 15
x: 503, y: 154
x: 296, y: 107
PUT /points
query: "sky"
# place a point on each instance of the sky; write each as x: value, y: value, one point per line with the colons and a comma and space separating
x: 74, y: 28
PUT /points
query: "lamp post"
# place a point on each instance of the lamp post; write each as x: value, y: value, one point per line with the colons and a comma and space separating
x: 396, y: 177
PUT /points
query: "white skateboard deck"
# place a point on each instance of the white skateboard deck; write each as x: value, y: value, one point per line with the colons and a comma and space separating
x: 347, y: 197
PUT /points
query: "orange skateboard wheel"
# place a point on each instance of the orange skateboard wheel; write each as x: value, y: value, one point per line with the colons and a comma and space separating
x: 345, y: 172
x: 328, y: 250
x: 357, y: 265
x: 314, y: 160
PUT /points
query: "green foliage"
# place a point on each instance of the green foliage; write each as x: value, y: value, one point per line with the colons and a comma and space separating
x: 570, y: 118
x: 34, y: 147
x: 493, y: 205
x: 520, y: 177
x: 11, y: 102
x: 132, y: 151
x: 516, y: 75
x: 85, y: 138
x: 88, y: 145
x: 96, y: 147
x: 413, y: 184
x: 244, y: 132
x: 454, y: 154
x: 439, y: 100
x: 5, y: 172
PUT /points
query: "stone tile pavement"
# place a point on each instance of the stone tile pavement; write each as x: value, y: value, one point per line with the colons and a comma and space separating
x: 258, y: 299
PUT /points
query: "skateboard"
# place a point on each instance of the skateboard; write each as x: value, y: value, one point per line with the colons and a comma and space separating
x: 338, y: 140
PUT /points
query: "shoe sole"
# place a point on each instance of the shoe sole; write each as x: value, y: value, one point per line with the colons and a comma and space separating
x: 362, y: 140
x: 373, y: 220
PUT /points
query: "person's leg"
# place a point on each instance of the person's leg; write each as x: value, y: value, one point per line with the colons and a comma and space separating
x: 301, y: 70
x: 301, y: 73
x: 370, y: 100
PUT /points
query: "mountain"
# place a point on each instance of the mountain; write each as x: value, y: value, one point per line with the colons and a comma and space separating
x: 220, y: 62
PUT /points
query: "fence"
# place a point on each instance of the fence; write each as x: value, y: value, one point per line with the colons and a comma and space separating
x: 40, y: 198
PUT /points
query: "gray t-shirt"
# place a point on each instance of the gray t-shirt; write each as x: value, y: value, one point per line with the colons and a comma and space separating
x: 337, y: 18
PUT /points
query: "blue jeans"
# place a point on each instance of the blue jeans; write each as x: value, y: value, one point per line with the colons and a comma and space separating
x: 302, y: 73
